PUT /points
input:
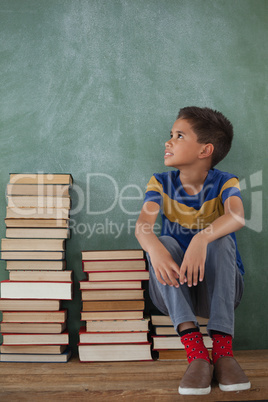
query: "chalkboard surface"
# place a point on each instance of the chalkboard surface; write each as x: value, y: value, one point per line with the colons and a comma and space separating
x: 92, y: 88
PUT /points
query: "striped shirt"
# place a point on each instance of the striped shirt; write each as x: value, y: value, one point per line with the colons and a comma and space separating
x: 184, y: 215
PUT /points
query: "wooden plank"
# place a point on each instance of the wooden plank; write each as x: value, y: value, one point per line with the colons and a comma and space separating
x: 128, y: 381
x: 144, y: 395
x: 259, y: 360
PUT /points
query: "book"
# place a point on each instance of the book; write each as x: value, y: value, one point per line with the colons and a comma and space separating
x: 118, y: 276
x: 39, y: 265
x: 36, y: 290
x: 32, y: 328
x: 166, y: 320
x: 42, y: 276
x: 112, y: 337
x: 125, y: 294
x: 114, y: 265
x: 33, y: 349
x: 170, y: 330
x: 38, y: 201
x: 112, y: 255
x: 173, y: 354
x: 110, y: 285
x: 36, y: 339
x: 36, y: 223
x: 36, y: 233
x: 35, y: 316
x: 32, y: 255
x: 55, y: 190
x: 174, y: 342
x: 37, y: 213
x: 111, y: 315
x: 114, y: 352
x: 115, y: 305
x: 112, y: 306
x: 32, y: 245
x: 117, y: 325
x: 165, y: 330
x: 161, y: 320
x: 29, y: 305
x: 36, y: 358
x: 40, y: 178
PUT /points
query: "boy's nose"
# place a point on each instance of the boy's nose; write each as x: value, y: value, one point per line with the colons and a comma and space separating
x: 168, y: 143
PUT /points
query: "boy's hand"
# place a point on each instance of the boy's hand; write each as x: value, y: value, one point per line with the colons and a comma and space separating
x: 194, y: 261
x: 166, y: 270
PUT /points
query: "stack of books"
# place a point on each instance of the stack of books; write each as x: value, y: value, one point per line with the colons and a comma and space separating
x: 34, y: 324
x: 113, y: 307
x: 166, y: 340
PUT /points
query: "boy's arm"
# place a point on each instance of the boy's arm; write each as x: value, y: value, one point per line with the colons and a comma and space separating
x: 166, y: 270
x: 195, y: 256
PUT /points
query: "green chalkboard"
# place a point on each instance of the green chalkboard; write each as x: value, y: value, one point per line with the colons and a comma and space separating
x: 92, y: 87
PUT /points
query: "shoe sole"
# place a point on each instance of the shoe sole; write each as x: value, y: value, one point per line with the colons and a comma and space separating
x: 194, y: 391
x: 235, y: 387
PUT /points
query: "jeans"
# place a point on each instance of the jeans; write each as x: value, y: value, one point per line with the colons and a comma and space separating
x: 216, y: 297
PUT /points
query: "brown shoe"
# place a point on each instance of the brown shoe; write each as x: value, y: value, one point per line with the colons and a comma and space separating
x: 197, y: 378
x: 230, y: 375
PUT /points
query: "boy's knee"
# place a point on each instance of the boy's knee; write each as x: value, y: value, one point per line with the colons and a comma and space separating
x: 225, y: 243
x: 172, y: 247
x: 166, y: 240
x: 221, y: 249
x: 169, y: 242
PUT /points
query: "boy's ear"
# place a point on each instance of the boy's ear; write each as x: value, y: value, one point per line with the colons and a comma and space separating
x: 206, y: 151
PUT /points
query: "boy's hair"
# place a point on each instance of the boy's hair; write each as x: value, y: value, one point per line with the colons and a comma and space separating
x: 212, y: 127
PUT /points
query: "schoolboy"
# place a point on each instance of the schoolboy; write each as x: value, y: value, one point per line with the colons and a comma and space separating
x: 195, y: 267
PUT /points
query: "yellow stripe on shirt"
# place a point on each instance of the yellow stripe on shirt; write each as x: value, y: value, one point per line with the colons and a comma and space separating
x: 154, y: 185
x: 190, y: 217
x: 230, y: 183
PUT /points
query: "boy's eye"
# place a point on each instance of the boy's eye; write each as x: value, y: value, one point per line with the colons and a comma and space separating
x: 179, y: 136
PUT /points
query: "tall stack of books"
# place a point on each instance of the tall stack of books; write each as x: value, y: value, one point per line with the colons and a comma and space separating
x: 166, y: 340
x: 113, y: 307
x: 34, y: 324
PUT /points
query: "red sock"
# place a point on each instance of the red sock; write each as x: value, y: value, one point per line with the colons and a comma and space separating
x: 222, y: 346
x: 195, y: 347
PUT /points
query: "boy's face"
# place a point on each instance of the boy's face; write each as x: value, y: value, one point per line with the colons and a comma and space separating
x: 182, y: 149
